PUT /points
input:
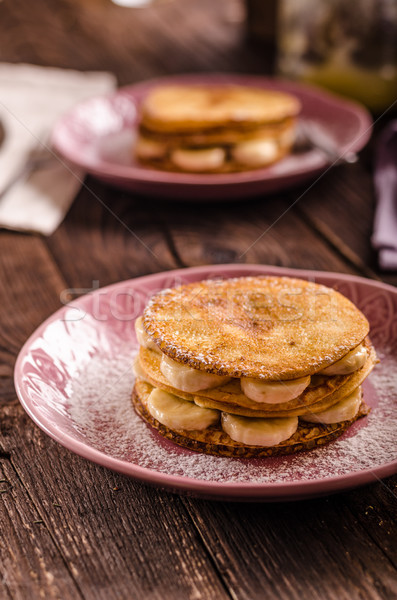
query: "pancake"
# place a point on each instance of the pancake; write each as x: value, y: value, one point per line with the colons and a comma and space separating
x: 215, y: 441
x: 192, y: 108
x: 215, y: 129
x: 269, y: 328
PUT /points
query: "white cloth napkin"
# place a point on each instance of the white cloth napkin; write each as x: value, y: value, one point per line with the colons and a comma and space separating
x: 31, y: 100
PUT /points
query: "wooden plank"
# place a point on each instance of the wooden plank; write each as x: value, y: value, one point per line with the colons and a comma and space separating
x: 30, y: 564
x: 311, y: 549
x: 29, y: 560
x: 377, y: 513
x: 109, y: 235
x: 339, y: 202
x: 118, y: 538
x: 342, y: 210
x: 30, y: 291
x: 265, y: 231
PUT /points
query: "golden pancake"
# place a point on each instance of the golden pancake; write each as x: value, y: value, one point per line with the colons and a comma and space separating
x: 215, y: 441
x: 191, y: 108
x: 230, y: 398
x: 270, y: 328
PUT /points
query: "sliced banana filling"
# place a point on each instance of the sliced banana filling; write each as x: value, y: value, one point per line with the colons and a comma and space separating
x: 179, y: 414
x: 273, y: 392
x: 143, y: 338
x: 253, y: 153
x: 137, y: 370
x: 345, y: 410
x: 186, y: 379
x: 199, y: 159
x: 353, y: 361
x: 176, y: 413
x: 259, y: 432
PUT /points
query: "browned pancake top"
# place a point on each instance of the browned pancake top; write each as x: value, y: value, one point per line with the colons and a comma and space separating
x: 198, y: 107
x: 263, y: 327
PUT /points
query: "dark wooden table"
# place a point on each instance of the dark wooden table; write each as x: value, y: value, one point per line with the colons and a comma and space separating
x: 71, y: 529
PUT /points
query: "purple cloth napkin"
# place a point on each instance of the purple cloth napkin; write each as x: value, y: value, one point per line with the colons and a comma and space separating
x: 384, y: 236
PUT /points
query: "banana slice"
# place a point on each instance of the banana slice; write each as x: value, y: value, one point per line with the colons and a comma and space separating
x: 273, y: 392
x: 186, y: 379
x: 203, y: 159
x: 344, y: 410
x: 353, y: 361
x: 255, y: 153
x: 176, y: 413
x: 143, y: 338
x: 258, y: 432
x: 137, y: 370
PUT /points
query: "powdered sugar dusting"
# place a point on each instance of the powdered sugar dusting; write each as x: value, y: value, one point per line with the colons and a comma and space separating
x: 101, y: 411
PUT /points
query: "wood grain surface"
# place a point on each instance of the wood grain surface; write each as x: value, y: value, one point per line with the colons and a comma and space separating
x: 71, y: 529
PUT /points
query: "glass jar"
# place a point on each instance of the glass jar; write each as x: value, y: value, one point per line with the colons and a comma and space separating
x: 348, y: 47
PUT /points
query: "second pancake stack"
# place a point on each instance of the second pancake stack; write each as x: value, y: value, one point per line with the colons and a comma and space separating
x: 215, y: 129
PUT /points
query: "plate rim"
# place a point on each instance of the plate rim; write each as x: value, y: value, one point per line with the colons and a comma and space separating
x: 244, y: 491
x: 147, y: 175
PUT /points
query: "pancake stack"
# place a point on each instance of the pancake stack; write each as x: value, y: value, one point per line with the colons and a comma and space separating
x: 251, y: 367
x: 215, y: 129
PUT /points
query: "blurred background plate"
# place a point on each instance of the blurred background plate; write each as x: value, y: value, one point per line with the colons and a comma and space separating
x: 99, y: 134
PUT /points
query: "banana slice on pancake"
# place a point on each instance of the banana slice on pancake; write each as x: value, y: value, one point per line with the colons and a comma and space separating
x: 259, y: 432
x: 198, y: 160
x: 256, y: 153
x: 353, y: 361
x: 143, y: 339
x: 344, y: 410
x: 274, y: 392
x: 177, y: 413
x: 183, y: 377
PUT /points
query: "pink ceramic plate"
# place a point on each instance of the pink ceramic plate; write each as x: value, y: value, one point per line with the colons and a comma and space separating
x: 73, y: 377
x: 98, y: 135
